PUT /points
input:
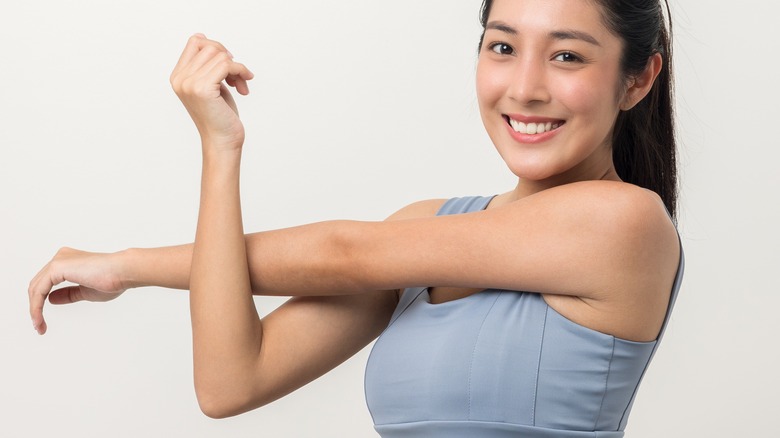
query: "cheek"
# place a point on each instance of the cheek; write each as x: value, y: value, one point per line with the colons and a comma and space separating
x: 591, y: 97
x: 490, y: 85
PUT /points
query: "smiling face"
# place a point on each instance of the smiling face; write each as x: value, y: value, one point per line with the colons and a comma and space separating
x: 548, y: 83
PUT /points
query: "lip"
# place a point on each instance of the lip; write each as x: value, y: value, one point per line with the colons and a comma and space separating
x: 532, y: 119
x: 532, y: 138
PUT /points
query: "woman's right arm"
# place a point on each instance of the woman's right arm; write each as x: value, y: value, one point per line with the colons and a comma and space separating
x: 302, y: 339
x: 104, y: 276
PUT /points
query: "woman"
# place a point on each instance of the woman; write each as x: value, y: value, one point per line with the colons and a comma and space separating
x: 576, y: 97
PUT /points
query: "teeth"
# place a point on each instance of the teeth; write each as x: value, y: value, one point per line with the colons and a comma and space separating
x: 533, y: 128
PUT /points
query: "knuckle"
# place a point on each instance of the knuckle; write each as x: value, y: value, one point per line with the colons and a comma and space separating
x: 54, y: 266
x: 176, y: 86
x: 186, y: 86
x: 194, y: 39
x: 210, y: 50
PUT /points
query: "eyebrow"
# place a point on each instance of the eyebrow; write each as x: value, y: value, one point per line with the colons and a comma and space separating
x: 574, y: 35
x: 497, y: 25
x: 564, y: 34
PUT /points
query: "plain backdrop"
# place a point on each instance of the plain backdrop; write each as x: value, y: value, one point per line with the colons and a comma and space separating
x: 358, y: 108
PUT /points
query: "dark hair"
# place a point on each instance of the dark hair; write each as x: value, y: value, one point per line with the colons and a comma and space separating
x: 643, y: 143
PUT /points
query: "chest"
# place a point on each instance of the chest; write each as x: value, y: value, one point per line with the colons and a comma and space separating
x: 493, y: 356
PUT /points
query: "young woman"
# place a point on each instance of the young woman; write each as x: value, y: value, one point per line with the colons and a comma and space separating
x: 531, y: 313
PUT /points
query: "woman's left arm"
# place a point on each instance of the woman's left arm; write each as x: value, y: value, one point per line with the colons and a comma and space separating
x: 221, y: 304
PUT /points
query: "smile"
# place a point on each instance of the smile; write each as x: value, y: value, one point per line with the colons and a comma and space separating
x: 533, y: 128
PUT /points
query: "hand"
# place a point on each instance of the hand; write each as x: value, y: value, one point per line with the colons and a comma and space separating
x: 97, y: 277
x: 198, y: 79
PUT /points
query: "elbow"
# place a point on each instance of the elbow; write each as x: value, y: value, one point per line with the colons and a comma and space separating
x: 213, y: 411
x: 220, y: 401
x: 215, y: 406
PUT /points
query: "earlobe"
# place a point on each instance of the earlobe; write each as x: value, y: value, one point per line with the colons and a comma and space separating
x: 640, y: 85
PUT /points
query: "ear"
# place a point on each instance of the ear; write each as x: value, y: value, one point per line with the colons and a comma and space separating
x: 640, y: 85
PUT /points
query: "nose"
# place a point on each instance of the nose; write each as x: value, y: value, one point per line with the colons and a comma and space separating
x: 529, y: 82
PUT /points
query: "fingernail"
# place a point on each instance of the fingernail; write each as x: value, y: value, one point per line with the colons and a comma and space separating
x: 230, y: 54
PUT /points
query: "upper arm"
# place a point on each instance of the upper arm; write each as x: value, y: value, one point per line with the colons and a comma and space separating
x: 595, y: 240
x: 308, y: 336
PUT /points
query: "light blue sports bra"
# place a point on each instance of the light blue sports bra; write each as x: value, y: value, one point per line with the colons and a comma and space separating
x: 500, y: 364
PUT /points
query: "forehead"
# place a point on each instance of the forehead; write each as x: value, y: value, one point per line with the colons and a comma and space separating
x: 545, y: 16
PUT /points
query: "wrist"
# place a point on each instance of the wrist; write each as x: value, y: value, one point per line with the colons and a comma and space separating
x: 125, y: 263
x: 219, y: 146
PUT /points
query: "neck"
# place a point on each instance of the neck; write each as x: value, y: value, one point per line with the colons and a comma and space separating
x: 526, y: 187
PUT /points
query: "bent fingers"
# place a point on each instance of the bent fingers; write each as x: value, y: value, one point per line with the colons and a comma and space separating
x: 37, y: 292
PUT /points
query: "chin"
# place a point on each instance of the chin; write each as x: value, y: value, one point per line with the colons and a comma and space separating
x: 530, y: 170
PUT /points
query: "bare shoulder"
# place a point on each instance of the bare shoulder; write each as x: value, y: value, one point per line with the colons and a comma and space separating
x: 634, y: 220
x: 629, y: 214
x: 639, y: 248
x: 419, y: 209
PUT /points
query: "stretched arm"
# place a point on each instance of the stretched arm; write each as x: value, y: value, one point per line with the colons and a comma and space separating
x: 560, y: 241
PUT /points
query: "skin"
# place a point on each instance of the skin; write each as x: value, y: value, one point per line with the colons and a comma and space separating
x: 603, y: 253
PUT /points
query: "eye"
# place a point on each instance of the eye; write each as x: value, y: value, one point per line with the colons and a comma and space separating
x: 567, y: 57
x: 502, y: 48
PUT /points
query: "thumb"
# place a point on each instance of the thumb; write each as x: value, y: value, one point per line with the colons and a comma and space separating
x: 225, y: 93
x: 67, y: 295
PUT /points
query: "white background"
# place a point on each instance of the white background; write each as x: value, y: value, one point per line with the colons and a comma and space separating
x: 358, y: 108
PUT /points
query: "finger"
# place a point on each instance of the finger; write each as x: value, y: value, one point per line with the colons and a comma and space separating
x: 199, y: 52
x: 66, y: 295
x: 238, y: 76
x: 216, y: 44
x: 190, y: 50
x: 240, y: 70
x: 241, y: 83
x: 241, y: 86
x: 220, y: 68
x: 38, y: 290
x: 203, y: 61
x: 211, y: 48
x: 225, y: 93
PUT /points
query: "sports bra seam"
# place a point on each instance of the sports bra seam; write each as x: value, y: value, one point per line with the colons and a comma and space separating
x: 606, y: 385
x: 538, y: 367
x: 474, y: 350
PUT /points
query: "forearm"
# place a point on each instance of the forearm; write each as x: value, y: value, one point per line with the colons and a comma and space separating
x: 298, y: 261
x: 167, y: 267
x: 225, y: 325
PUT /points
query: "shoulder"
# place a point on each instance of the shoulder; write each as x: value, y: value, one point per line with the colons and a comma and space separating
x: 605, y: 226
x: 633, y: 220
x: 628, y: 250
x: 617, y: 209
